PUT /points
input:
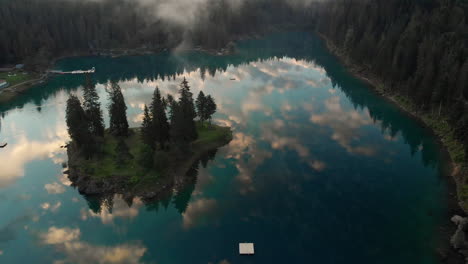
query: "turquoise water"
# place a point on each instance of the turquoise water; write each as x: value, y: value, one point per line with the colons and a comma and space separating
x: 320, y: 170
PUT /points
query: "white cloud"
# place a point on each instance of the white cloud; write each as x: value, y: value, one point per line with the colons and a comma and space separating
x: 67, y: 241
x: 120, y: 209
x: 197, y: 210
x: 54, y: 188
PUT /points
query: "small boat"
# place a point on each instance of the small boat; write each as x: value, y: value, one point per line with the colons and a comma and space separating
x: 232, y: 79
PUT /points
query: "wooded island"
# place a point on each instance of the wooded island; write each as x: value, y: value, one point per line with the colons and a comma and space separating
x: 139, y: 160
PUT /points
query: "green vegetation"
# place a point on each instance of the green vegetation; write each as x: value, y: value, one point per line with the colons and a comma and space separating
x: 16, y: 77
x: 33, y: 31
x: 105, y: 165
x: 208, y: 133
x: 439, y: 124
x: 419, y: 54
x: 419, y: 59
x: 139, y: 155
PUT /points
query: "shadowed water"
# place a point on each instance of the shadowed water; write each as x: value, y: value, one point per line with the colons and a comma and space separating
x: 320, y: 169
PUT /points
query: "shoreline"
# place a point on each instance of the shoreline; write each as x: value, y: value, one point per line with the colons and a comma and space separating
x: 454, y: 172
x: 10, y: 93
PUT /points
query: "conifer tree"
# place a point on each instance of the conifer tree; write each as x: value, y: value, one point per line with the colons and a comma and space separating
x: 76, y: 120
x: 78, y: 126
x: 177, y: 128
x: 92, y: 108
x: 160, y: 123
x: 147, y: 134
x: 117, y: 112
x: 187, y: 112
x: 201, y: 105
x: 210, y: 108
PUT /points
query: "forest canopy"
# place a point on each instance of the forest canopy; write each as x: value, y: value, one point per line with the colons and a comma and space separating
x: 32, y: 31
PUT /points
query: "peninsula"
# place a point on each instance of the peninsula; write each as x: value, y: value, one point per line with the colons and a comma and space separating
x: 141, y: 161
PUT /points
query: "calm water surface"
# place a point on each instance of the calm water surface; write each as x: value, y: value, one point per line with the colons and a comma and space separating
x: 320, y: 169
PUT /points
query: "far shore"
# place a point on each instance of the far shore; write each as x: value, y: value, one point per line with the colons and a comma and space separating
x: 9, y: 93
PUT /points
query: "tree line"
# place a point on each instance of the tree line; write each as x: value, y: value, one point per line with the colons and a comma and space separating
x: 168, y: 124
x: 418, y: 49
x: 34, y: 31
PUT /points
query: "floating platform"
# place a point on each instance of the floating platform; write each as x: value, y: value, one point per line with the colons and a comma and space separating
x: 246, y: 248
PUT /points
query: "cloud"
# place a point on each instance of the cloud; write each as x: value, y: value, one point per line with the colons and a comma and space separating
x: 67, y: 241
x: 23, y: 151
x: 60, y: 235
x: 120, y: 209
x: 198, y: 210
x: 52, y: 207
x: 344, y: 124
x: 317, y: 165
x: 54, y: 188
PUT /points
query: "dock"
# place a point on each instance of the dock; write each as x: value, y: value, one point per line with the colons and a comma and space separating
x: 93, y: 70
x: 246, y: 249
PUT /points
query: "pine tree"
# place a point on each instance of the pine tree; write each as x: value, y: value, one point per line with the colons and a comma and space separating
x: 147, y: 134
x: 122, y: 152
x: 210, y: 108
x: 201, y: 106
x: 92, y: 108
x: 187, y: 112
x: 117, y: 112
x: 76, y: 120
x: 160, y: 123
x: 177, y: 128
x: 78, y: 126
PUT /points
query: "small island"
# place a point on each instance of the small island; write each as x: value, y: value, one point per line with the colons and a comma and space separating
x: 144, y: 161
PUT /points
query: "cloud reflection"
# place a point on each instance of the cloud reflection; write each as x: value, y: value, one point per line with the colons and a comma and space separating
x: 24, y: 150
x: 54, y: 188
x: 52, y: 207
x: 67, y: 241
x: 345, y: 125
x: 197, y: 211
x: 119, y: 209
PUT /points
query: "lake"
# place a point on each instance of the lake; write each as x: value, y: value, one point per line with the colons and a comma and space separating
x: 320, y: 168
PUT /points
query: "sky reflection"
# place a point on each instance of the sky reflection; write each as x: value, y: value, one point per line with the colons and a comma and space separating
x: 317, y: 163
x: 67, y: 241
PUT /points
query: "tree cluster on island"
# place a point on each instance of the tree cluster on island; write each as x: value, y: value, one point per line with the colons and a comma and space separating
x: 168, y: 126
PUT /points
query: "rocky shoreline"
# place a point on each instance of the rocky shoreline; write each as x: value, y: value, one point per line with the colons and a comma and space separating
x: 173, y: 178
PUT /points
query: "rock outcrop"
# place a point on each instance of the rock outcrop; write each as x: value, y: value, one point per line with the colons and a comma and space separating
x: 458, y: 240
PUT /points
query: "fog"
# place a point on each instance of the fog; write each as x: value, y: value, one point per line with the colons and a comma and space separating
x: 185, y: 13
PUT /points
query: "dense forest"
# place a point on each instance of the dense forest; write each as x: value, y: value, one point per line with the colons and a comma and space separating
x: 33, y: 31
x: 417, y: 49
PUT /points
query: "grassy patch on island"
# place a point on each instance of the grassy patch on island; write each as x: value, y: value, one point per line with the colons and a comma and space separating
x: 106, y: 165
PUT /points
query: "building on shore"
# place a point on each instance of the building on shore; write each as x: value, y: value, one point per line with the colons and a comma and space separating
x: 3, y: 84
